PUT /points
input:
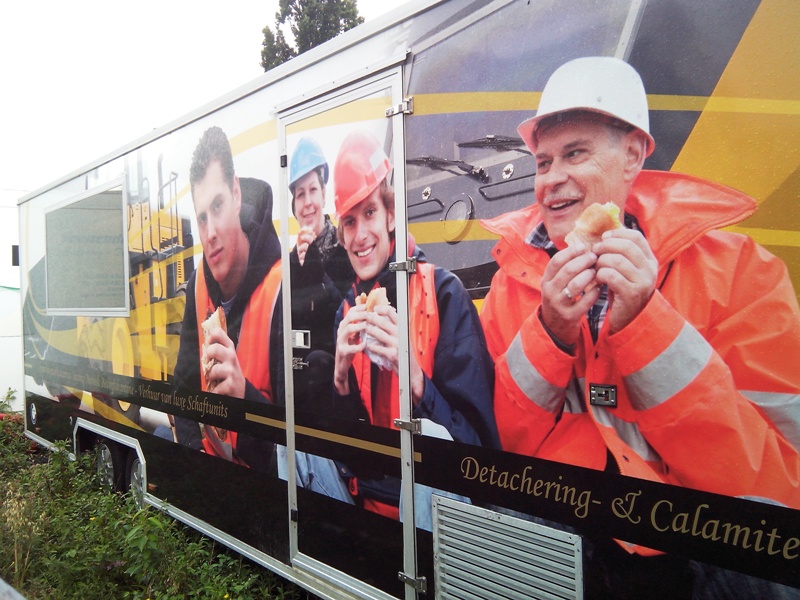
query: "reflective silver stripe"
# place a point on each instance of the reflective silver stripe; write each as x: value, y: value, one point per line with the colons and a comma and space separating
x: 575, y: 404
x: 671, y: 371
x: 782, y: 409
x: 538, y: 390
x: 627, y: 432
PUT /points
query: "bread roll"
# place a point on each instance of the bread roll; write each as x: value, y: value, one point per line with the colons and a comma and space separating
x: 595, y: 220
x: 215, y: 319
x: 376, y: 297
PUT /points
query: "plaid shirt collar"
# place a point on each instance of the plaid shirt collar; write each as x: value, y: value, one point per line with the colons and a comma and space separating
x: 539, y: 238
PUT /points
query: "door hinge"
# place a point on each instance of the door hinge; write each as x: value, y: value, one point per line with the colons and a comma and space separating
x: 418, y: 583
x: 409, y: 265
x: 414, y: 425
x: 298, y: 364
x: 406, y: 107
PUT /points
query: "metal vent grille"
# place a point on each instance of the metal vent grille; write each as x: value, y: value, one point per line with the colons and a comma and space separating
x: 480, y: 553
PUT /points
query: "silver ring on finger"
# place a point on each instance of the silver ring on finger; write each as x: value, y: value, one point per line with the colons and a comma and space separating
x: 568, y: 294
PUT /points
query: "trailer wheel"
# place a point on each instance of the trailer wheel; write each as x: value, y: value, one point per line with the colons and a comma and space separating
x: 134, y: 471
x: 110, y: 465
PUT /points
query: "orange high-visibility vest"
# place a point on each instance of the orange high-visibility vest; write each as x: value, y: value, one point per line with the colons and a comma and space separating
x: 697, y: 374
x: 424, y: 327
x: 252, y: 349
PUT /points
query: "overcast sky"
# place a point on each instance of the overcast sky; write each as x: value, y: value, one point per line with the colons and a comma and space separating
x: 83, y: 78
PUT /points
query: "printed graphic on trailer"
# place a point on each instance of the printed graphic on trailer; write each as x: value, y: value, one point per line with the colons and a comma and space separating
x: 659, y: 348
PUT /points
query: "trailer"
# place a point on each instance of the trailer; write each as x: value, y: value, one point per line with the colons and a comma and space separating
x: 113, y: 263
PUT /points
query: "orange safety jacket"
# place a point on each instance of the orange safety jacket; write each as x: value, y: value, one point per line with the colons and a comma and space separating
x: 706, y: 375
x: 424, y: 327
x: 252, y: 349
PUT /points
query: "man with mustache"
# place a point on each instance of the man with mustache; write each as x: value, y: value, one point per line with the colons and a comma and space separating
x: 665, y: 351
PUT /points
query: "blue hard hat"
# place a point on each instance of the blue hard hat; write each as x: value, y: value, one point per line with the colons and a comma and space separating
x: 307, y: 157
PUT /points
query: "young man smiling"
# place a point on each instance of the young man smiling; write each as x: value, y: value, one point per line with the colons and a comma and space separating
x: 451, y: 372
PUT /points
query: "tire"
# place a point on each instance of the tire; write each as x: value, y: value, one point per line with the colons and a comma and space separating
x: 110, y: 463
x: 135, y: 478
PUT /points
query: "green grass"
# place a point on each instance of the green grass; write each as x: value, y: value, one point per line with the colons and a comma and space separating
x: 63, y: 536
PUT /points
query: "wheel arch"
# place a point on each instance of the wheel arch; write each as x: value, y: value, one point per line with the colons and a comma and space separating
x: 87, y: 434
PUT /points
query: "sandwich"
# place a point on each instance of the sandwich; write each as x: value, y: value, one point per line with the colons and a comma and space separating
x: 595, y: 220
x: 307, y: 232
x: 376, y: 297
x: 215, y: 319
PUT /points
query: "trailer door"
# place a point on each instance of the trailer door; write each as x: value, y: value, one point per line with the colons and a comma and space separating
x: 348, y: 458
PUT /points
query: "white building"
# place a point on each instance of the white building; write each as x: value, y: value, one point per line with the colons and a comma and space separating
x: 11, y: 371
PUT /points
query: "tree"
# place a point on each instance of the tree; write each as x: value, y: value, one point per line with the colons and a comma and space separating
x: 275, y: 50
x: 311, y: 23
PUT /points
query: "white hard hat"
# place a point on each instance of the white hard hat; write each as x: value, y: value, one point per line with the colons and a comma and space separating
x: 599, y: 84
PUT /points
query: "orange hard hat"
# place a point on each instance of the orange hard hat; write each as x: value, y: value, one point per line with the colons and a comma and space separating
x: 360, y: 167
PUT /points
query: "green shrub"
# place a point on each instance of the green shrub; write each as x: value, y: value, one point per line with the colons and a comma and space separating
x: 63, y: 536
x: 15, y: 448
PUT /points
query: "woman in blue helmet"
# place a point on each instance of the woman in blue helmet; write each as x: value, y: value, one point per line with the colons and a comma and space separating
x: 320, y: 273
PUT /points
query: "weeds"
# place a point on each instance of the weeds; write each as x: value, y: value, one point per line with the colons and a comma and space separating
x: 24, y: 528
x: 16, y: 451
x: 62, y: 536
x: 7, y: 401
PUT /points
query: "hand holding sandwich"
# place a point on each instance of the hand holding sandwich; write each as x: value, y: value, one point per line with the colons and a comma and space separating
x: 569, y: 290
x: 627, y: 265
x: 305, y: 237
x: 600, y: 252
x: 221, y: 369
x: 371, y: 327
x: 349, y: 342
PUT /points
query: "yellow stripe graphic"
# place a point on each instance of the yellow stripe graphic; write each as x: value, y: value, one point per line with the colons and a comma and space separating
x: 333, y: 437
x: 464, y: 102
x: 746, y: 136
x: 770, y: 237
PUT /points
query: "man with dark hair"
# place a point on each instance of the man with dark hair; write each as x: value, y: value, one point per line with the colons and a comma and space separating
x: 241, y: 273
x: 213, y: 146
